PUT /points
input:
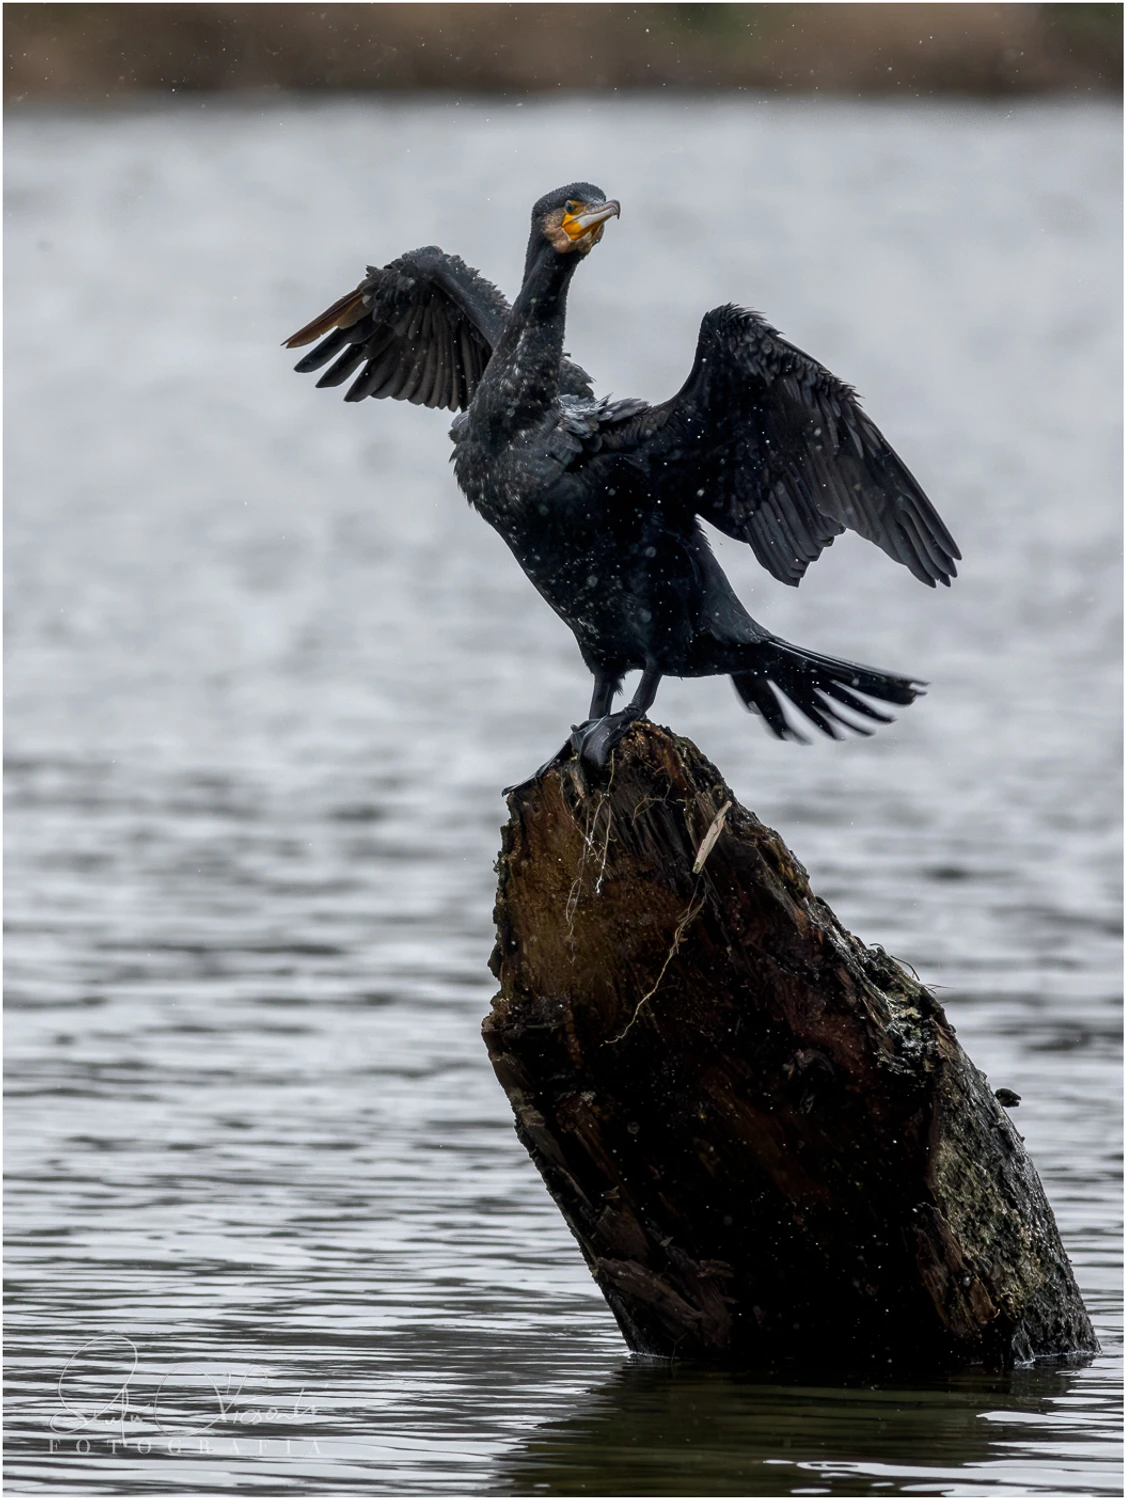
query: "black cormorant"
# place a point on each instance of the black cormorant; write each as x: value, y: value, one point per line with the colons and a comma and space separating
x: 600, y: 500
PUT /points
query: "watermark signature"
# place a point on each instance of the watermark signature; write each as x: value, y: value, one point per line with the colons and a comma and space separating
x: 109, y: 1403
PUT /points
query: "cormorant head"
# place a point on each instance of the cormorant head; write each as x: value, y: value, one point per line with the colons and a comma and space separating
x: 572, y: 218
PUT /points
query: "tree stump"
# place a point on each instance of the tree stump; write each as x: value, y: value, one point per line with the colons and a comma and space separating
x: 763, y: 1134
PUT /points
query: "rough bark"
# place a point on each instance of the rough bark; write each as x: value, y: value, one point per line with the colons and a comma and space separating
x: 763, y: 1134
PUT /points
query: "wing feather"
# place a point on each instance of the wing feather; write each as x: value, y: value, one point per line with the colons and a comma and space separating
x: 423, y: 327
x: 338, y: 373
x: 323, y: 352
x: 772, y: 448
x: 426, y: 380
x: 374, y: 377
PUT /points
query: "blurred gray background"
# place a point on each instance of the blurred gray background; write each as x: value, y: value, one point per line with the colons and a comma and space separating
x: 267, y: 675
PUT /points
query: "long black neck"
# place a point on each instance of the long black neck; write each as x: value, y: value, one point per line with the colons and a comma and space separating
x: 522, y: 379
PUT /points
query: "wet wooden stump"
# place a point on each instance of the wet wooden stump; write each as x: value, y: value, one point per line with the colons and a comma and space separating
x: 763, y: 1134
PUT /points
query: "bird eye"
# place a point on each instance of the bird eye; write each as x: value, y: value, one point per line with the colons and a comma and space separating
x: 571, y: 206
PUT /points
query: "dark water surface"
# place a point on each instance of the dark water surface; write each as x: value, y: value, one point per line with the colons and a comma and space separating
x: 268, y: 1222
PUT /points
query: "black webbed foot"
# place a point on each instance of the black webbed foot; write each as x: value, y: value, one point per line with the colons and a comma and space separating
x: 535, y: 776
x: 594, y: 740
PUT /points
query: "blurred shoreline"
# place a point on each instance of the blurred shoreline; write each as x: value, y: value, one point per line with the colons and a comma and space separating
x: 140, y: 102
x: 97, y: 54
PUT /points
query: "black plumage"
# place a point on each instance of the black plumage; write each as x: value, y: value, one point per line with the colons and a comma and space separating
x: 600, y: 501
x: 426, y: 310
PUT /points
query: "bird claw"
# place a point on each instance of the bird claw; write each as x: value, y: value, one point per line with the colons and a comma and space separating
x: 593, y: 741
x: 535, y: 776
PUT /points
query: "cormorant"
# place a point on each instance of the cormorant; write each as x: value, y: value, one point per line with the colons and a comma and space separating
x: 600, y: 500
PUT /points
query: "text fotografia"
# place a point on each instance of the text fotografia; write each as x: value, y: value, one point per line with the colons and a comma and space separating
x: 109, y: 1404
x: 187, y: 1446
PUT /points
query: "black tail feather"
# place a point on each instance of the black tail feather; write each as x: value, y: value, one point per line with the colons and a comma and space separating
x: 818, y: 686
x: 850, y: 700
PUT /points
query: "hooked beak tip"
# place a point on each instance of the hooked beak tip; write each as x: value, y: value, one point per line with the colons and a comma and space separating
x: 592, y: 216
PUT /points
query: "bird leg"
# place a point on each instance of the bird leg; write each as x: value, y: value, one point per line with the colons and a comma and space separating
x: 603, y: 697
x: 605, y: 686
x: 594, y: 740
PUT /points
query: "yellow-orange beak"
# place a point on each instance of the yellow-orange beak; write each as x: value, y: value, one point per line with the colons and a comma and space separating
x: 590, y: 219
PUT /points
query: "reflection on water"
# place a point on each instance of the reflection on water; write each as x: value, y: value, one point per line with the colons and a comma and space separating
x: 651, y: 1430
x: 267, y: 675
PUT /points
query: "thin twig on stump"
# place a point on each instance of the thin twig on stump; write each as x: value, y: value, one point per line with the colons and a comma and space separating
x: 763, y: 1134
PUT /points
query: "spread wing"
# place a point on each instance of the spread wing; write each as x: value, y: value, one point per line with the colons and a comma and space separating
x: 421, y: 329
x: 771, y: 448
